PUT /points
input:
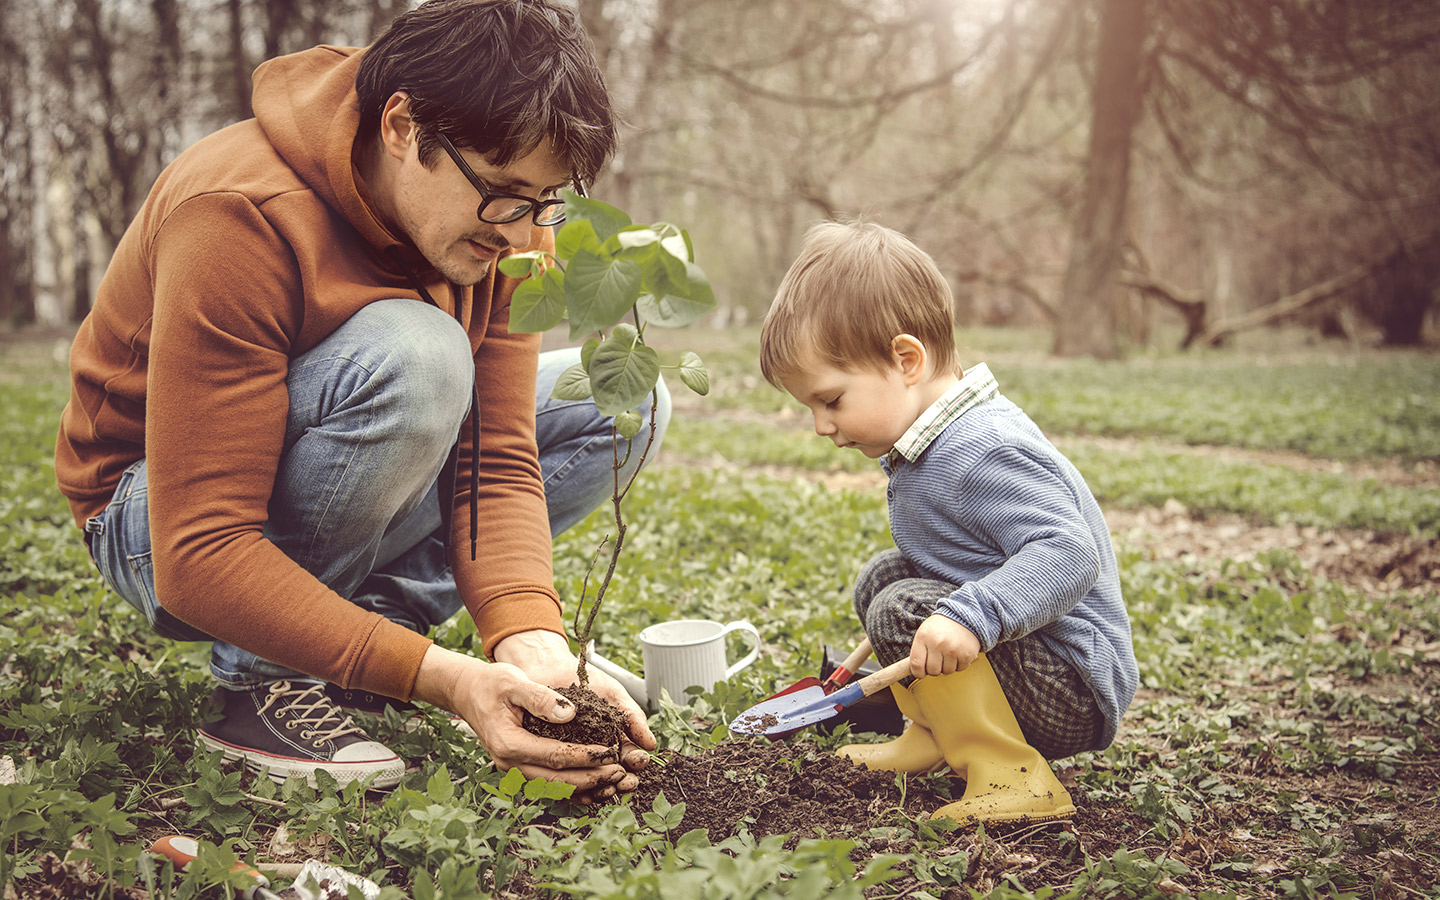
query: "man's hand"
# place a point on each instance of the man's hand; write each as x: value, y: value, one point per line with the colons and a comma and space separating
x: 493, y: 698
x: 941, y: 646
x: 546, y: 657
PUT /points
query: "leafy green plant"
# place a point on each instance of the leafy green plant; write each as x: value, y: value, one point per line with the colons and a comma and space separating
x: 606, y: 269
x: 463, y: 835
x: 22, y: 811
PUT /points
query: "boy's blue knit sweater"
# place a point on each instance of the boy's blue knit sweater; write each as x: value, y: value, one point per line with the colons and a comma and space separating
x: 991, y: 505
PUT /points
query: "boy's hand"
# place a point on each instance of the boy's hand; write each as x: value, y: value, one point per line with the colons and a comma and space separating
x: 941, y: 646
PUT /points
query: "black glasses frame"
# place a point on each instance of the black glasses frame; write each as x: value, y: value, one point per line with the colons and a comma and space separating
x: 532, y: 207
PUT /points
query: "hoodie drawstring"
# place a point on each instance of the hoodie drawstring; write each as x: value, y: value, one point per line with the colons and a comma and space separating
x: 452, y: 462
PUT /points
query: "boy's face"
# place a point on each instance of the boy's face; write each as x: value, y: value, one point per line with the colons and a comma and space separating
x: 863, y: 409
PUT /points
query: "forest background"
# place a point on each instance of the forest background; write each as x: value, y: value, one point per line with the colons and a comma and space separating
x: 1103, y: 168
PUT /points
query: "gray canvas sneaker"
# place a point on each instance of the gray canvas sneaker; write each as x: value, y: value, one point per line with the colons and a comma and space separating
x: 293, y: 729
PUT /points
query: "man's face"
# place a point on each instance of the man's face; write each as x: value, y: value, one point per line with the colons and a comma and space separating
x: 435, y: 207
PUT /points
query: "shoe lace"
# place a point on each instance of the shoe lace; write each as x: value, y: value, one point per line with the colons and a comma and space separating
x: 310, y: 707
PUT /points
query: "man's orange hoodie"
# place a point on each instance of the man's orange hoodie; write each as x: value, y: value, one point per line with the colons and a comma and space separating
x: 253, y: 246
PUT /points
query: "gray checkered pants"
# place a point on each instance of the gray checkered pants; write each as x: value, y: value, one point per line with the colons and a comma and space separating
x: 1057, y: 713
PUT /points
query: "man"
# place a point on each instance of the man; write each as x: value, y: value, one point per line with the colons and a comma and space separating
x: 283, y: 350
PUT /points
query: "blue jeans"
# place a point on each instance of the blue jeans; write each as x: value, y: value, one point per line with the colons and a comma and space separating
x: 373, y: 410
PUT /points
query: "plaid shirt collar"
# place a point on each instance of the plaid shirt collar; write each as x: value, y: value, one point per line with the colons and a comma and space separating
x: 975, y: 388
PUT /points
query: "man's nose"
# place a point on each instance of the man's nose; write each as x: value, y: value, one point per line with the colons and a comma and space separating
x: 517, y: 233
x: 823, y: 425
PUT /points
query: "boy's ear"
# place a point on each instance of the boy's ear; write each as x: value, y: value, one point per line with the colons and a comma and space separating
x: 909, y: 354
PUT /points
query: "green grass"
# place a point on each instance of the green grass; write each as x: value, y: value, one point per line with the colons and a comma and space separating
x: 1133, y: 476
x: 1329, y: 402
x: 762, y: 444
x: 1262, y: 492
x: 1346, y: 408
x: 1282, y: 723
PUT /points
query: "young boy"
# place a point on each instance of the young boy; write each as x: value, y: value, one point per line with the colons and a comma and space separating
x: 1003, y: 589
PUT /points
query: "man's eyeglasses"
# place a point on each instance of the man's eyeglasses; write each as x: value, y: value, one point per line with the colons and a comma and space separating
x: 499, y: 207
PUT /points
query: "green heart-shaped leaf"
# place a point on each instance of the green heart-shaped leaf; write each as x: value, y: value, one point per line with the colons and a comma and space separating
x: 685, y: 303
x: 573, y: 384
x: 694, y: 373
x: 538, y: 304
x: 623, y: 371
x: 628, y: 423
x: 521, y: 265
x: 599, y: 292
x: 576, y: 235
x: 604, y: 218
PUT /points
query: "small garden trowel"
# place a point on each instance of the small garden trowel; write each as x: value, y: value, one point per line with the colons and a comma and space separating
x: 313, y: 881
x: 790, y: 711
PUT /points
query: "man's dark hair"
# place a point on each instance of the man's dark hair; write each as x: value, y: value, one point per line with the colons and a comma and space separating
x: 494, y: 76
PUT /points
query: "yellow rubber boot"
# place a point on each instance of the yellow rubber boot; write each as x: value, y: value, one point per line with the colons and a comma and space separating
x: 914, y: 752
x: 1006, y: 779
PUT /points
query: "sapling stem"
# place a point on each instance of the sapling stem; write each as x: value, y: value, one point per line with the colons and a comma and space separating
x: 617, y: 498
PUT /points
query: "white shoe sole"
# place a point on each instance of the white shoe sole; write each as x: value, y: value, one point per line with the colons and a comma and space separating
x: 387, y: 771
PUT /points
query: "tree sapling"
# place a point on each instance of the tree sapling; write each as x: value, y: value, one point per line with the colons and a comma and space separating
x: 606, y: 270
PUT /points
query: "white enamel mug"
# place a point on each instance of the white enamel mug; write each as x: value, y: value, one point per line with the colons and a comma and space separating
x: 690, y: 652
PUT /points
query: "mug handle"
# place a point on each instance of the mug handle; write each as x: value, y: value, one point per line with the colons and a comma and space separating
x: 748, y: 658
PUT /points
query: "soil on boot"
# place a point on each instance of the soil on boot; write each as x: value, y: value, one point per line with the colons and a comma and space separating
x: 782, y: 788
x: 595, y: 722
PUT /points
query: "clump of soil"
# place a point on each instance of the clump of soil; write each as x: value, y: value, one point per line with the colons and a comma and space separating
x: 784, y: 787
x: 595, y: 722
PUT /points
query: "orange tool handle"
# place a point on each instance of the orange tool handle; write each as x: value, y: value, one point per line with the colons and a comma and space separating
x: 182, y: 851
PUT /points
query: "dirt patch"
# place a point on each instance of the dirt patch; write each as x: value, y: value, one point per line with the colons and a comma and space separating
x: 595, y: 722
x: 795, y: 788
x: 782, y: 787
x: 1370, y: 561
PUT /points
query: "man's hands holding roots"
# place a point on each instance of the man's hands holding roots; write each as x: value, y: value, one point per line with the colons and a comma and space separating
x: 493, y: 698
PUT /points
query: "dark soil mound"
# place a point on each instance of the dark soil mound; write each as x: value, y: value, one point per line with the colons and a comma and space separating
x: 782, y: 788
x: 595, y: 722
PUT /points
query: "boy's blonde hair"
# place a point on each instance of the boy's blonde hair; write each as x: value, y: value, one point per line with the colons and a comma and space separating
x: 854, y: 287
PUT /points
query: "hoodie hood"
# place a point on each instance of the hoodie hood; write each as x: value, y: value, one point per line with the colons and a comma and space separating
x: 307, y: 107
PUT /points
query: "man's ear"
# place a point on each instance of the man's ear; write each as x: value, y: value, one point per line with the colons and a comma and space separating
x: 397, y: 129
x: 909, y: 354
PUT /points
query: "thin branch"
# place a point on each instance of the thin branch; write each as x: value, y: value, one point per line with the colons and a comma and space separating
x: 617, y: 497
x: 945, y: 183
x: 582, y: 638
x: 1015, y: 283
x: 1288, y: 305
x: 1191, y: 305
x: 726, y: 73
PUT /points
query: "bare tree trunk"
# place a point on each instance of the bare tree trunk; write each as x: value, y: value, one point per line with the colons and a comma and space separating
x: 277, y: 19
x: 1314, y: 295
x: 169, y: 51
x: 602, y: 35
x: 641, y: 113
x: 80, y: 255
x: 1407, y: 285
x: 239, y: 67
x: 17, y: 275
x: 117, y: 191
x: 1092, y: 275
